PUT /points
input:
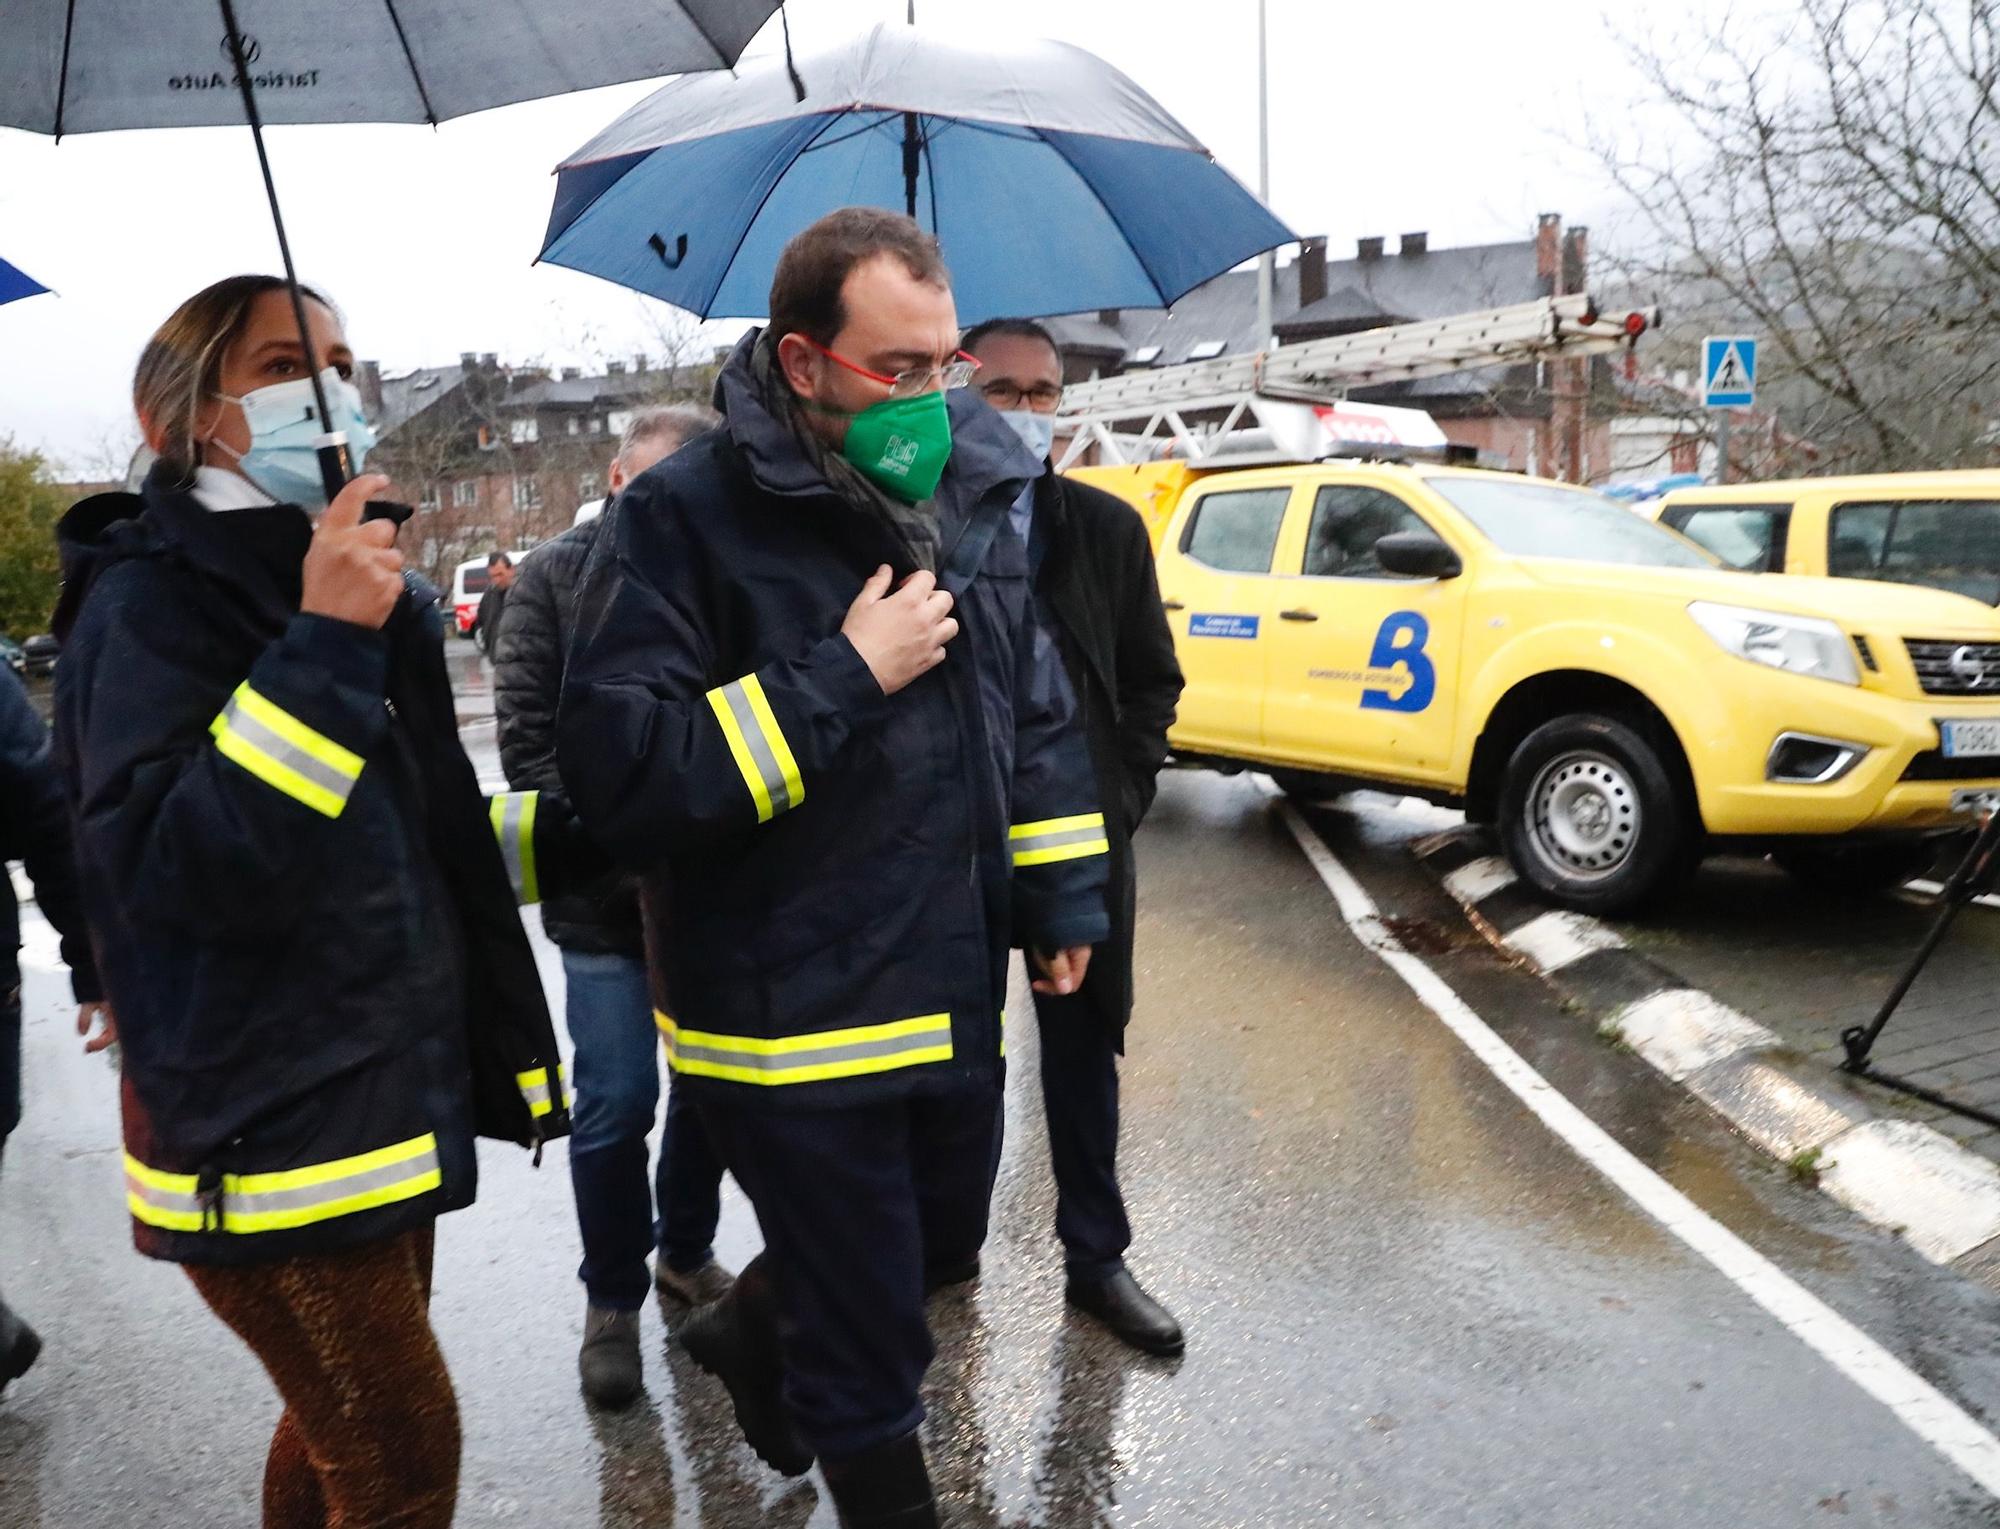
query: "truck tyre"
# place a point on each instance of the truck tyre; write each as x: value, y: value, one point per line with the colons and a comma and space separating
x: 1590, y: 814
x: 1859, y: 869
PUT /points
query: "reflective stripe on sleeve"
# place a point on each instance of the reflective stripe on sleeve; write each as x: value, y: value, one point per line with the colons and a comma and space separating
x: 534, y: 1086
x: 270, y: 1202
x: 513, y: 814
x: 1055, y: 839
x: 807, y: 1058
x: 757, y: 744
x: 284, y: 753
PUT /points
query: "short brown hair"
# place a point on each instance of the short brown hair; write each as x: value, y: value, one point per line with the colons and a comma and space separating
x: 181, y: 365
x: 805, y: 290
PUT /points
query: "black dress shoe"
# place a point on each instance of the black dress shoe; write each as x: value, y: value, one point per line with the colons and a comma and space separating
x: 735, y: 1340
x: 887, y: 1487
x: 19, y: 1347
x: 1128, y: 1311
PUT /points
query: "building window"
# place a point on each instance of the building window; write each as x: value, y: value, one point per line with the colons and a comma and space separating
x: 587, y: 487
x: 596, y: 424
x: 575, y: 425
x: 465, y: 493
x: 619, y: 419
x: 525, y: 432
x: 430, y: 500
x: 528, y: 493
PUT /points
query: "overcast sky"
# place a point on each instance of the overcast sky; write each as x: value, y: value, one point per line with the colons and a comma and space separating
x: 1452, y: 117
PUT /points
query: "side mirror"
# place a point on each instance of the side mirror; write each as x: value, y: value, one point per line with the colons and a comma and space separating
x: 1417, y: 555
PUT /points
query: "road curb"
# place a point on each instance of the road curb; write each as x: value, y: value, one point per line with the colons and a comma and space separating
x: 1898, y: 1174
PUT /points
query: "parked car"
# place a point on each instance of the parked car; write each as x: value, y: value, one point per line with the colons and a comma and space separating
x: 1938, y: 529
x: 1592, y: 684
x: 12, y: 656
x: 41, y: 652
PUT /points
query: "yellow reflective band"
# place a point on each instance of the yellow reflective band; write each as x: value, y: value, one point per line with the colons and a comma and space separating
x: 757, y: 744
x: 284, y: 753
x: 513, y: 815
x: 534, y: 1086
x: 294, y: 1197
x: 1054, y: 839
x: 812, y: 1058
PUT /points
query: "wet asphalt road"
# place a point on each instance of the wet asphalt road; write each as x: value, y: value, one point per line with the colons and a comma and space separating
x: 1408, y: 1303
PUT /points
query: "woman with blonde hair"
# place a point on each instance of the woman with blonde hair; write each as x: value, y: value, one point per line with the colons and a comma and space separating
x: 323, y: 987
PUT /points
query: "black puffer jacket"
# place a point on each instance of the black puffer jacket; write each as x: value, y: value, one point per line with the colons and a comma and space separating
x: 34, y: 829
x: 528, y: 651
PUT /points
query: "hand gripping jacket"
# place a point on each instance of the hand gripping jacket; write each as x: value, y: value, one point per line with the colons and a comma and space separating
x: 846, y: 869
x: 322, y: 985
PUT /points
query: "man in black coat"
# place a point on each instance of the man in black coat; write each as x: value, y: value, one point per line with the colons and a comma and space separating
x: 1092, y: 565
x: 499, y: 579
x: 34, y: 828
x: 615, y: 1067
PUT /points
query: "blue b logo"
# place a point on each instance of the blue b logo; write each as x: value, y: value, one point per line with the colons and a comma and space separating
x: 1400, y: 640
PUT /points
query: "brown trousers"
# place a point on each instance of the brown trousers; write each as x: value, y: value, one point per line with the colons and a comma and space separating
x: 369, y: 1437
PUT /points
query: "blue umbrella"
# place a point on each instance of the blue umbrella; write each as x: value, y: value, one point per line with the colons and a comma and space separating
x: 1052, y: 181
x: 16, y: 283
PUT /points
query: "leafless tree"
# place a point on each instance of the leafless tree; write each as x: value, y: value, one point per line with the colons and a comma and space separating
x: 1831, y: 182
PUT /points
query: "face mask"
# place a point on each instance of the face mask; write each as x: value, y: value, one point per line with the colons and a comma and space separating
x: 1037, y: 431
x: 901, y: 445
x: 283, y: 459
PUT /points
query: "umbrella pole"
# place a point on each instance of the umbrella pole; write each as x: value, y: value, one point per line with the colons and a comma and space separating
x: 910, y: 164
x: 334, y: 466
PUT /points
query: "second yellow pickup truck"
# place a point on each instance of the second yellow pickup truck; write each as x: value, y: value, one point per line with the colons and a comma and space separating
x: 1596, y: 686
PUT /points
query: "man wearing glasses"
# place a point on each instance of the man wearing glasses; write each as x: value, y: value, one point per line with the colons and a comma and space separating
x: 1092, y: 565
x: 808, y: 686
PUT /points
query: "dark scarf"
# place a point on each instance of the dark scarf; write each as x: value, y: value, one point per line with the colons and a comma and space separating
x: 913, y: 526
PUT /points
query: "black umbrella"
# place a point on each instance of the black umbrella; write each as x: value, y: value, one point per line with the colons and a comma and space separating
x: 83, y: 66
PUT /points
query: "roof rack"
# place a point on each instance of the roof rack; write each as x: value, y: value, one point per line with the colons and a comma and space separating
x: 1193, y: 410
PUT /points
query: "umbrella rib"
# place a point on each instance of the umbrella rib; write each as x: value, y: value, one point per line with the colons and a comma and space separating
x: 416, y: 75
x: 62, y: 86
x: 832, y: 143
x: 748, y: 224
x: 722, y: 59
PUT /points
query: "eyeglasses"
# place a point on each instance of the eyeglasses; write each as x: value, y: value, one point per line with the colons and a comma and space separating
x: 917, y: 381
x: 1042, y: 398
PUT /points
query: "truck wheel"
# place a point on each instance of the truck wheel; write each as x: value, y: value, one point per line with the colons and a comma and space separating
x: 1590, y: 816
x: 1856, y: 870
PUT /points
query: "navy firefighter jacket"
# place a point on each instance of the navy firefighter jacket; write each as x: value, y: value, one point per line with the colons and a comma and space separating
x: 846, y: 870
x: 304, y: 919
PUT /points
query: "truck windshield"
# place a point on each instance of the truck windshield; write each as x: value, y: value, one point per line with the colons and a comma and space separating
x: 1530, y: 519
x: 1949, y: 544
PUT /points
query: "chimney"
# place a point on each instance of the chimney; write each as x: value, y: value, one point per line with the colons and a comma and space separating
x: 1418, y: 243
x: 1368, y: 249
x: 638, y: 363
x: 1576, y: 260
x: 368, y: 382
x: 614, y: 368
x: 491, y: 361
x: 1312, y: 270
x: 1108, y: 317
x: 468, y: 360
x: 571, y: 373
x: 1548, y: 235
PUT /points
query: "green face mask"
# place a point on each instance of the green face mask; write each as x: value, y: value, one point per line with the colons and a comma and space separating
x: 901, y: 445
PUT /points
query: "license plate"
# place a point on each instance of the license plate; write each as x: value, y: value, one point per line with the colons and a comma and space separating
x: 1970, y: 740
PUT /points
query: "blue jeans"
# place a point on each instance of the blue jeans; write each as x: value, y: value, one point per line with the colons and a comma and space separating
x: 616, y: 1077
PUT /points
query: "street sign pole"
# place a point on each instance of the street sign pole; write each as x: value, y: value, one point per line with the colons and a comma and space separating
x: 1722, y: 445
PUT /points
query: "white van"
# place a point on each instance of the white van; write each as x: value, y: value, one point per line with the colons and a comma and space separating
x: 468, y: 584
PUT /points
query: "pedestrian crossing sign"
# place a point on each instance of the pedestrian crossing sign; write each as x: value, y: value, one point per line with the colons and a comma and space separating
x: 1728, y: 372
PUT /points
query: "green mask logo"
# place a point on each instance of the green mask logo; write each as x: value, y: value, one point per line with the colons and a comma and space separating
x: 901, y: 445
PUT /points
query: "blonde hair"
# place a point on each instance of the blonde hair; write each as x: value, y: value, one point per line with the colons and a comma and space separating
x: 181, y: 367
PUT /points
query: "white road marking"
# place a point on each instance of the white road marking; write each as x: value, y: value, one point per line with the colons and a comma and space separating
x: 1902, y: 1173
x: 1936, y: 889
x: 1479, y: 879
x: 1922, y: 1408
x: 1559, y: 938
x: 1682, y: 1031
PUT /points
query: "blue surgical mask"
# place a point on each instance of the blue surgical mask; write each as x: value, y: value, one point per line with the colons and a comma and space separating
x: 283, y: 459
x: 1037, y: 431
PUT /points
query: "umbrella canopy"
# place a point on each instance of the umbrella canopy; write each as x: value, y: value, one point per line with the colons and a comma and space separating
x: 16, y: 283
x: 1053, y: 182
x: 84, y: 66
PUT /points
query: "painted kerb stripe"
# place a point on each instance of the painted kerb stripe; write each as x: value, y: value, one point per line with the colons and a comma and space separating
x: 757, y: 744
x: 284, y: 753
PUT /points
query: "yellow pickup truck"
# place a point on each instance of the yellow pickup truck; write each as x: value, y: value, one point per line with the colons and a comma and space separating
x: 1939, y: 529
x: 1597, y: 687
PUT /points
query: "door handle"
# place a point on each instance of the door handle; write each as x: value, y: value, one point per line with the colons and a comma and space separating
x: 1171, y: 604
x: 1298, y: 615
